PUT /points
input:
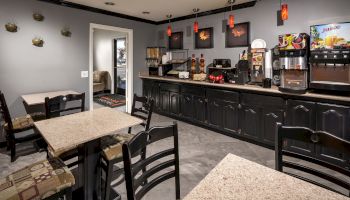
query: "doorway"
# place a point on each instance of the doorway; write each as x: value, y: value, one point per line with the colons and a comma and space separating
x: 110, y: 67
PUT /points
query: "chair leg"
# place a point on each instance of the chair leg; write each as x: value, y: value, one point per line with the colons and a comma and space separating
x: 108, y: 180
x: 129, y: 130
x: 13, y: 150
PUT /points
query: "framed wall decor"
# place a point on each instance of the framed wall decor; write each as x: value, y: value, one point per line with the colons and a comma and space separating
x: 204, y: 39
x: 176, y: 41
x: 239, y: 36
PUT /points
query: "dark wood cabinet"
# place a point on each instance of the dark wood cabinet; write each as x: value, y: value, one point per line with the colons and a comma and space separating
x: 271, y: 117
x: 174, y: 103
x: 186, y: 106
x: 333, y: 119
x: 252, y: 116
x: 301, y: 113
x: 199, y: 109
x: 249, y: 121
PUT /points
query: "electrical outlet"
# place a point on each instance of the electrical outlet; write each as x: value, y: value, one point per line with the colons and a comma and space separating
x: 84, y: 74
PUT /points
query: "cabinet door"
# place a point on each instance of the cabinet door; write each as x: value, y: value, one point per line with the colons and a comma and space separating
x: 215, y: 113
x: 335, y: 120
x: 164, y: 101
x: 301, y: 113
x: 174, y: 103
x: 250, y: 122
x: 187, y: 106
x: 199, y: 109
x: 270, y: 117
x: 230, y: 117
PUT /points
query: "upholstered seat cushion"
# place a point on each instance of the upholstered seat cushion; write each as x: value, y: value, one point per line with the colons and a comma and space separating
x: 37, y: 181
x: 112, y: 145
x: 21, y: 123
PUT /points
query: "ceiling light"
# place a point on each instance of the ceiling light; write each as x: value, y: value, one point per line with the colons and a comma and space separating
x: 169, y: 30
x: 109, y: 3
x: 146, y: 12
x: 195, y: 25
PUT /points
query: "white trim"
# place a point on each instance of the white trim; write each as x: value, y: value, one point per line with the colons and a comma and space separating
x: 130, y: 66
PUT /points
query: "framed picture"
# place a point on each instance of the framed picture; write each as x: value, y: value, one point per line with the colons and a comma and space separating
x: 176, y: 41
x: 239, y: 36
x: 204, y: 39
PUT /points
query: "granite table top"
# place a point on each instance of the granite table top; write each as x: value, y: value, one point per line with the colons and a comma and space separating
x: 66, y: 132
x: 237, y: 178
x: 256, y: 88
x: 39, y: 98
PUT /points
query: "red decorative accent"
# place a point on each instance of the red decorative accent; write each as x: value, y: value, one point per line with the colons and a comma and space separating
x: 195, y: 27
x: 231, y: 21
x: 284, y: 12
x: 169, y: 31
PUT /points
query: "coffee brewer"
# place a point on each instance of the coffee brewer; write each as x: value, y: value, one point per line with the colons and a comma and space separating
x: 330, y: 57
x: 257, y: 65
x: 294, y: 52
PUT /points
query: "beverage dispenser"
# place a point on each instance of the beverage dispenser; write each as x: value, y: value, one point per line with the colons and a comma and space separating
x: 294, y: 52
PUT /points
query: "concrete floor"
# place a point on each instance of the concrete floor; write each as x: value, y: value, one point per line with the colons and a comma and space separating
x: 200, y: 151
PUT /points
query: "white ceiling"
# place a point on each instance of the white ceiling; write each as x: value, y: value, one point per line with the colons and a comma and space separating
x: 158, y: 8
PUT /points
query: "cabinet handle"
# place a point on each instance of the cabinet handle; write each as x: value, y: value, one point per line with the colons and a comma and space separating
x: 230, y: 107
x: 239, y: 106
x: 200, y: 100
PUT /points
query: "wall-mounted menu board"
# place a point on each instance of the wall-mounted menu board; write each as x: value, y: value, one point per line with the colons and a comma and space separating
x: 330, y: 36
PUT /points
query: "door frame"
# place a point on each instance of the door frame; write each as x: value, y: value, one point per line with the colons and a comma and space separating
x: 129, y: 62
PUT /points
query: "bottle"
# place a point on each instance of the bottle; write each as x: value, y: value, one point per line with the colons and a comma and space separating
x: 202, y: 64
x: 193, y: 65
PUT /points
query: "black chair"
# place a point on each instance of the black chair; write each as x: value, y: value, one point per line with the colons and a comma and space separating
x: 112, y: 145
x: 321, y: 138
x: 14, y: 126
x: 60, y: 106
x: 137, y: 185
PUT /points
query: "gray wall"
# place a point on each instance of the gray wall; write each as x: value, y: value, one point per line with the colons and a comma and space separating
x: 263, y: 20
x: 25, y: 68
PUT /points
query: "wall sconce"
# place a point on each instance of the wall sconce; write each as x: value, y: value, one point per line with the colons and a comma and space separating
x: 38, y: 17
x: 66, y: 32
x: 11, y: 27
x: 38, y: 42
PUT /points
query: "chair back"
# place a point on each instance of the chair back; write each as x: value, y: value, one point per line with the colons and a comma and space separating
x: 138, y: 186
x: 5, y: 112
x: 64, y: 105
x: 142, y: 108
x: 320, y: 138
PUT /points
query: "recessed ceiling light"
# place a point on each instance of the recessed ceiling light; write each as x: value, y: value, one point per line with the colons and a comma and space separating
x: 146, y: 12
x: 109, y: 3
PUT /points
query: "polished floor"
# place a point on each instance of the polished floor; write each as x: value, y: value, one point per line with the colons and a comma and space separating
x: 200, y: 151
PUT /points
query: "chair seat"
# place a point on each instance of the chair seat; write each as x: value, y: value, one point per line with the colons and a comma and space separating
x: 37, y: 181
x: 20, y: 123
x: 37, y: 116
x: 112, y: 145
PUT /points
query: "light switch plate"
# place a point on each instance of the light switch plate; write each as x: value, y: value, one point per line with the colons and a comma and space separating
x: 84, y: 74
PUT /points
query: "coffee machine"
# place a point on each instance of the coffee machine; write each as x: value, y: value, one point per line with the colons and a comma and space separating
x: 330, y: 57
x: 257, y: 65
x: 294, y: 53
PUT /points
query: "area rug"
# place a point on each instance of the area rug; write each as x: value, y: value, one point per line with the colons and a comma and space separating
x: 110, y: 100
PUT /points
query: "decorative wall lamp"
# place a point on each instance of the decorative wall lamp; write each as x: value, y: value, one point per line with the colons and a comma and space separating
x: 38, y: 42
x: 66, y: 32
x: 38, y: 17
x: 231, y: 18
x: 284, y: 11
x: 169, y: 31
x: 195, y: 25
x: 11, y: 27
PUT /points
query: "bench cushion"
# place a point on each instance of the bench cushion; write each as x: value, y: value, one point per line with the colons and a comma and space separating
x: 37, y: 181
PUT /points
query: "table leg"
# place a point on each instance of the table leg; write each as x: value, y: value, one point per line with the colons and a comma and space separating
x: 91, y: 169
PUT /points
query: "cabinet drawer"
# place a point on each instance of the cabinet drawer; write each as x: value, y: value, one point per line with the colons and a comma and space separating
x: 194, y: 90
x: 224, y: 95
x: 261, y: 100
x: 170, y: 87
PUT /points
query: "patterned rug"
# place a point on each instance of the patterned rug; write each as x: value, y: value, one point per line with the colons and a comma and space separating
x: 110, y: 100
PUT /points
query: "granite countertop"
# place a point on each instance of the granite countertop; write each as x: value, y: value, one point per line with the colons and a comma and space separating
x: 272, y: 90
x: 39, y: 98
x: 66, y: 132
x: 237, y: 178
